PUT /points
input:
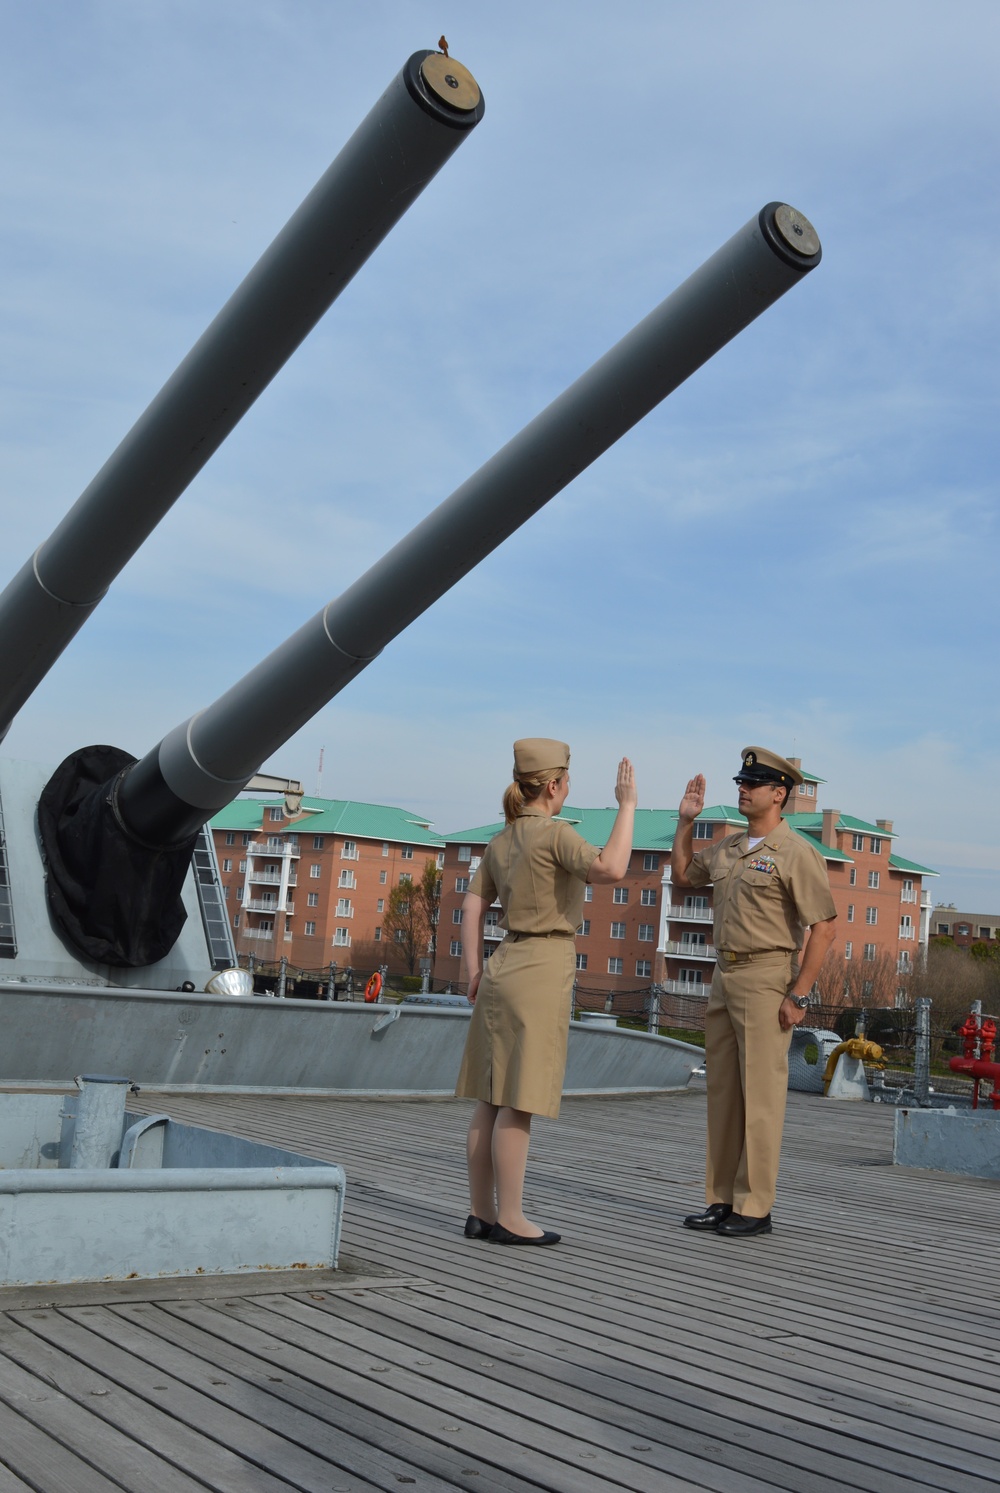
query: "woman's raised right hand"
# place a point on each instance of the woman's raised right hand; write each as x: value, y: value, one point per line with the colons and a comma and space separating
x: 625, y: 790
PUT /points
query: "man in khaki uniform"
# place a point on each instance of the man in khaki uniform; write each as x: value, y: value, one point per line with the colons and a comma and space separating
x: 770, y: 886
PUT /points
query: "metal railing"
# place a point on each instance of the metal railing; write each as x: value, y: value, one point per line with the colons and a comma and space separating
x: 691, y: 914
x: 690, y: 951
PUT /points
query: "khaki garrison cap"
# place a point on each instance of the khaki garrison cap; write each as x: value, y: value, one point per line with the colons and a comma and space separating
x: 539, y: 754
x: 761, y: 766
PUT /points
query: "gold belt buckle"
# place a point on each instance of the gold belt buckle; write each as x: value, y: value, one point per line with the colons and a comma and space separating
x: 728, y: 954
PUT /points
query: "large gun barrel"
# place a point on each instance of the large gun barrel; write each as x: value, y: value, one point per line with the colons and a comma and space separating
x: 202, y: 764
x: 421, y: 119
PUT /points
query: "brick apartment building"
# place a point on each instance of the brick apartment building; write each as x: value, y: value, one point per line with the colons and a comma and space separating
x: 642, y: 930
x: 966, y: 928
x: 312, y: 886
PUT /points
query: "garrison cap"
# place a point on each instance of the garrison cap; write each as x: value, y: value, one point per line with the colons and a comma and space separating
x: 539, y: 754
x: 761, y: 766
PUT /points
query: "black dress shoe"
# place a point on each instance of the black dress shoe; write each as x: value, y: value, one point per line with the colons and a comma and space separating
x: 477, y: 1228
x: 741, y: 1227
x: 710, y: 1220
x: 500, y: 1235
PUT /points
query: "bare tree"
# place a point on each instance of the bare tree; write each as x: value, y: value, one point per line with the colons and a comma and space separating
x: 411, y: 915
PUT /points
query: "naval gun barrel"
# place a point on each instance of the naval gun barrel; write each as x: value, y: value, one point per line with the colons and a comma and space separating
x: 424, y: 115
x: 202, y: 764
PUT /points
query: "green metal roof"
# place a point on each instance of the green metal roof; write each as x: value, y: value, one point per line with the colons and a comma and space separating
x: 333, y: 816
x: 897, y: 863
x: 654, y: 828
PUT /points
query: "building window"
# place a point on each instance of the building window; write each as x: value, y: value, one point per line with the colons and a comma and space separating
x: 312, y: 900
x: 581, y: 961
x: 380, y: 905
x: 382, y: 875
x: 808, y: 790
x: 691, y: 977
x: 461, y: 883
x: 870, y: 952
x: 621, y: 895
x: 347, y: 878
x: 225, y: 893
x: 962, y: 929
x: 647, y: 897
x: 317, y: 842
x: 243, y: 865
x: 399, y: 935
x: 643, y: 968
x: 274, y: 815
x: 942, y: 929
x: 873, y: 880
x: 903, y: 967
x: 405, y: 879
x: 275, y: 842
x: 440, y: 860
x: 871, y: 916
x: 850, y: 912
x: 852, y: 877
x: 456, y: 915
x: 266, y: 925
x: 906, y: 927
x: 315, y: 871
x: 349, y: 850
x: 848, y: 950
x: 617, y: 930
x: 310, y: 929
x: 455, y: 948
x: 344, y: 909
x: 342, y: 938
x: 876, y: 845
x: 378, y: 935
x: 239, y: 894
x: 236, y: 921
x: 857, y: 842
x: 588, y: 893
x: 616, y: 966
x: 703, y: 830
x: 650, y: 862
x: 907, y: 892
x: 227, y: 865
x: 465, y: 852
x: 406, y: 854
x: 647, y: 933
x: 230, y: 838
x: 868, y: 989
x: 983, y: 932
x: 584, y: 928
x: 385, y: 847
x: 246, y: 839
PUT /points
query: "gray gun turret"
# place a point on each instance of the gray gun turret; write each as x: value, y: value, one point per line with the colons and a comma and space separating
x: 118, y: 835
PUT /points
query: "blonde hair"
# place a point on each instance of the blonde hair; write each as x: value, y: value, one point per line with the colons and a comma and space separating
x: 525, y: 789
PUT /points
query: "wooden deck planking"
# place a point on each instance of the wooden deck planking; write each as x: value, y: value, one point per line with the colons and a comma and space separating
x: 850, y: 1350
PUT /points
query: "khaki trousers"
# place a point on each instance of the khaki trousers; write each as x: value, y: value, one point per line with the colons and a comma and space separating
x: 746, y: 1065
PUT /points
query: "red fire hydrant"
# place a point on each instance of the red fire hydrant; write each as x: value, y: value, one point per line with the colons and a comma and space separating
x: 982, y: 1034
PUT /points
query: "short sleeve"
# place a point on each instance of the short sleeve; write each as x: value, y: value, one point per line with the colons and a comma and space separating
x: 701, y: 871
x: 810, y: 889
x: 482, y: 883
x: 572, y: 852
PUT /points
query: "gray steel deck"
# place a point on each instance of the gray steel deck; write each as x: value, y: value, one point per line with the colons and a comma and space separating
x: 856, y: 1348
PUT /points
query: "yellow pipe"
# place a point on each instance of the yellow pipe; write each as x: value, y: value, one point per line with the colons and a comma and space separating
x: 855, y: 1047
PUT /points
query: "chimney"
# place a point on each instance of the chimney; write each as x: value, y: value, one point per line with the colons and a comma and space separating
x: 828, y: 834
x: 885, y: 825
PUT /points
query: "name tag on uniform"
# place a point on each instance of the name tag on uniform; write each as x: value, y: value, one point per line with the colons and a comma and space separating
x: 763, y: 863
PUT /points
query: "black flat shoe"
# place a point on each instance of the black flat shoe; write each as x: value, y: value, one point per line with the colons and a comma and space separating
x: 477, y: 1228
x: 500, y: 1235
x: 710, y: 1220
x: 741, y: 1227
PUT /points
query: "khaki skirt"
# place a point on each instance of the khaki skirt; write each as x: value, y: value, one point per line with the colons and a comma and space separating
x: 515, y: 1053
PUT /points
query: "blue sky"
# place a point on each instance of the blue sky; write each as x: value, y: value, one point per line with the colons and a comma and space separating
x: 797, y: 549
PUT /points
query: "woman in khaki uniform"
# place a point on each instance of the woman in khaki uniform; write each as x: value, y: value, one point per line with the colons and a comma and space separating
x: 515, y: 1053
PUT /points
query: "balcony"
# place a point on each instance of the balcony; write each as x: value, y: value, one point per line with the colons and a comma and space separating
x: 690, y: 951
x: 692, y: 914
x: 494, y: 932
x: 263, y: 934
x: 256, y: 905
x: 271, y: 878
x: 261, y: 848
x: 907, y: 932
x: 688, y: 988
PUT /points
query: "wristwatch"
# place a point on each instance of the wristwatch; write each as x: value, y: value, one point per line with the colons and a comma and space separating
x: 802, y: 1001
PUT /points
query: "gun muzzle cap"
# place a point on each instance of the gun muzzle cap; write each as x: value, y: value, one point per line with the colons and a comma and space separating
x: 449, y: 81
x: 796, y: 231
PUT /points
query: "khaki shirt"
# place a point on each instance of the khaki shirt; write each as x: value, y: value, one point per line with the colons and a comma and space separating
x: 764, y: 898
x: 537, y: 867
